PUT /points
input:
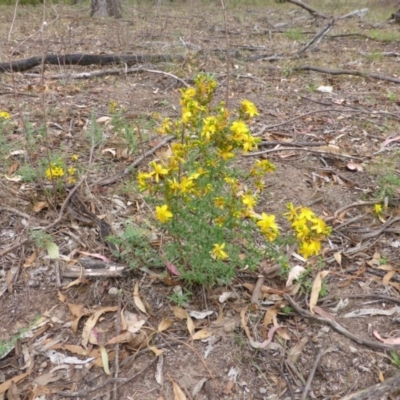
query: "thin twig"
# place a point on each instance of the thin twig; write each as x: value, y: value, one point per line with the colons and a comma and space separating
x: 116, y: 364
x: 318, y: 37
x: 348, y: 72
x: 337, y: 327
x: 321, y: 352
x: 332, y: 154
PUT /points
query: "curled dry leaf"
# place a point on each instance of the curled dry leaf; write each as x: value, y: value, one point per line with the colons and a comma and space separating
x: 125, y: 337
x: 316, y: 288
x: 387, y: 341
x: 164, y: 325
x: 104, y: 360
x: 178, y: 392
x: 202, y: 334
x: 136, y: 298
x: 156, y: 351
x: 225, y: 296
x: 91, y: 322
x: 294, y: 273
x: 200, y: 314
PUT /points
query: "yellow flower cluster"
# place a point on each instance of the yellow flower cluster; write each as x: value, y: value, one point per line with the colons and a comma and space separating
x: 4, y: 115
x: 310, y: 230
x: 54, y: 172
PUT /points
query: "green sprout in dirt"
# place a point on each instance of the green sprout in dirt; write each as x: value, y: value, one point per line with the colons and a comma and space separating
x: 204, y: 203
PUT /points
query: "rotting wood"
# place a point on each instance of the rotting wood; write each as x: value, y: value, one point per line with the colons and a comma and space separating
x: 84, y: 59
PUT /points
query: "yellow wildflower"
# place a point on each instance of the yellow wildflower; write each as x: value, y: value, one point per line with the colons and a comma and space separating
x: 319, y: 226
x: 163, y: 214
x: 292, y: 212
x: 249, y: 200
x: 306, y: 213
x: 4, y: 115
x: 225, y: 153
x: 165, y: 127
x: 186, y: 185
x: 218, y: 252
x: 240, y: 130
x: 142, y: 178
x: 248, y: 109
x: 249, y: 142
x: 54, y: 171
x: 310, y: 248
x: 378, y: 209
x: 71, y: 171
x: 159, y: 171
x: 209, y: 127
x: 74, y: 157
x: 268, y: 226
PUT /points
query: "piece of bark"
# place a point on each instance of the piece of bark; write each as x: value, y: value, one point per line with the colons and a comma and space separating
x: 91, y: 267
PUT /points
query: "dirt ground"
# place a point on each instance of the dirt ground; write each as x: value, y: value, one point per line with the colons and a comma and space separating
x: 327, y: 135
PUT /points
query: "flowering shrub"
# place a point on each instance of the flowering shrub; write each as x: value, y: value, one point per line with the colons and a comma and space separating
x: 206, y: 204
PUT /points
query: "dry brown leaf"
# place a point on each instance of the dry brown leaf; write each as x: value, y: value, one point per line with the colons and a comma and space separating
x: 140, y: 341
x: 156, y: 351
x: 122, y: 338
x: 387, y: 341
x: 136, y: 298
x: 316, y: 288
x: 7, y: 384
x: 388, y: 276
x: 228, y: 387
x: 295, y: 352
x: 104, y: 360
x: 179, y: 312
x: 270, y: 315
x: 164, y: 325
x: 338, y: 257
x: 190, y: 325
x: 283, y: 333
x: 61, y: 297
x: 243, y: 322
x: 132, y: 322
x: 13, y: 392
x: 91, y: 322
x: 30, y: 260
x: 78, y: 311
x: 202, y: 334
x: 178, y: 393
x: 39, y: 206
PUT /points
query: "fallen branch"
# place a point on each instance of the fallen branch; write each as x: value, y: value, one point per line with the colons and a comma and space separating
x: 312, y: 11
x: 348, y: 72
x: 318, y: 37
x: 83, y: 59
x: 339, y: 328
x: 375, y: 392
x: 115, y: 71
x: 332, y: 154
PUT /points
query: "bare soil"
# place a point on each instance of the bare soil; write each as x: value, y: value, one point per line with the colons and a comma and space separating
x: 338, y: 160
